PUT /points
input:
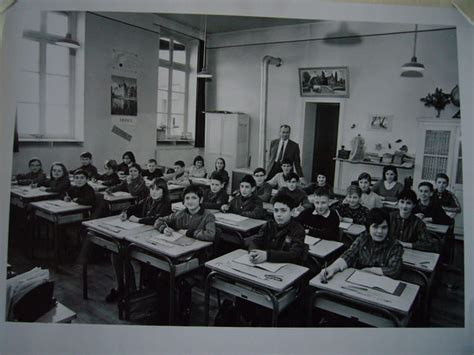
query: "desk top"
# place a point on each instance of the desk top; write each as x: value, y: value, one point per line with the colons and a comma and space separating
x: 118, y: 196
x: 28, y: 192
x: 100, y: 226
x: 437, y: 228
x: 339, y: 285
x: 420, y: 260
x: 97, y: 186
x: 354, y: 229
x: 225, y: 264
x: 174, y: 187
x: 323, y: 248
x: 59, y: 207
x: 58, y: 314
x: 243, y: 226
x: 200, y: 181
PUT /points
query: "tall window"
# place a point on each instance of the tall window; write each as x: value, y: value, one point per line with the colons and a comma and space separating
x: 173, y: 77
x: 46, y: 90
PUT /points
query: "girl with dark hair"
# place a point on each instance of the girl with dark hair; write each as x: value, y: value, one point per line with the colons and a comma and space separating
x: 127, y: 159
x: 58, y: 181
x: 389, y: 187
x: 220, y: 167
x: 197, y: 170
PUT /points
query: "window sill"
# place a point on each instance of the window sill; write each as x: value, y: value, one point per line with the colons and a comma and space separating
x: 50, y: 140
x: 167, y: 142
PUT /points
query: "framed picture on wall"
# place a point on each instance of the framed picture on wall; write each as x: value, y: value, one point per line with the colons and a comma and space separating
x: 324, y: 81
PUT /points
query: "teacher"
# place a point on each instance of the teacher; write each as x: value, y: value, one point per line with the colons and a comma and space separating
x: 283, y: 148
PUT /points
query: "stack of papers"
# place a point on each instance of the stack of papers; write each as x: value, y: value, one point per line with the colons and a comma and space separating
x: 272, y: 267
x: 373, y: 281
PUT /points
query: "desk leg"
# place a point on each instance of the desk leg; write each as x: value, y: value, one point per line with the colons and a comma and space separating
x: 56, y: 245
x: 84, y: 281
x: 207, y: 294
x: 172, y: 297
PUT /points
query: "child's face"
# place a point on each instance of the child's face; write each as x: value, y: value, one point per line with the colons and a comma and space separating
x: 364, y: 185
x: 286, y: 168
x: 35, y: 166
x: 259, y: 178
x: 80, y: 180
x: 85, y: 161
x: 425, y: 193
x: 405, y: 206
x: 156, y: 193
x: 219, y: 164
x: 127, y: 160
x: 390, y: 176
x: 441, y: 184
x: 199, y: 164
x: 57, y: 172
x: 353, y: 199
x: 108, y: 170
x: 379, y: 232
x: 151, y: 167
x: 281, y: 213
x: 216, y: 185
x: 178, y: 169
x: 321, y: 180
x: 292, y: 184
x: 133, y: 172
x: 321, y: 204
x: 246, y: 189
x: 192, y: 201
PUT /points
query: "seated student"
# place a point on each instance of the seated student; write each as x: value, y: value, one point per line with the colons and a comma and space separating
x: 369, y: 198
x: 246, y: 203
x: 321, y: 181
x: 220, y: 167
x: 128, y: 158
x: 320, y: 220
x: 408, y: 228
x: 443, y: 196
x: 110, y: 177
x: 280, y: 179
x: 197, y: 170
x: 351, y: 208
x: 81, y: 192
x: 375, y: 252
x: 427, y: 207
x: 35, y: 176
x: 263, y: 189
x: 199, y: 223
x: 298, y: 195
x: 133, y: 184
x: 216, y: 196
x: 152, y: 172
x: 180, y: 175
x: 86, y: 165
x: 58, y: 180
x: 389, y: 188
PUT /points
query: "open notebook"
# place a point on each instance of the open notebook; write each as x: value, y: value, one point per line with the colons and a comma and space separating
x: 272, y: 267
x: 375, y: 282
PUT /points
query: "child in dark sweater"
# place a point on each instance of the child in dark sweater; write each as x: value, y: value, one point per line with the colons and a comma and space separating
x: 298, y: 195
x: 58, y: 181
x: 35, y: 176
x: 443, y: 196
x: 321, y: 182
x: 216, y: 196
x: 80, y: 192
x: 110, y: 177
x: 152, y: 171
x: 246, y: 203
x: 133, y: 184
x: 352, y: 210
x: 86, y: 165
x: 263, y: 189
x: 428, y: 208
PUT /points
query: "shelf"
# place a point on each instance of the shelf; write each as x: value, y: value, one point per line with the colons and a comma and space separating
x: 402, y: 166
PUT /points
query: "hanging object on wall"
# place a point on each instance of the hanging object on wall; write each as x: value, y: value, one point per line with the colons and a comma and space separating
x: 125, y: 61
x: 455, y: 101
x: 121, y: 133
x: 123, y: 92
x: 438, y: 100
x: 380, y: 123
x: 413, y: 69
x: 204, y: 73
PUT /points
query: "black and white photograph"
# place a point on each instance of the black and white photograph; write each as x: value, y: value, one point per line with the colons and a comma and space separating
x: 231, y: 206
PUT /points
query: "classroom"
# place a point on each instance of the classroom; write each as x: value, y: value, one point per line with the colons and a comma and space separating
x: 215, y: 169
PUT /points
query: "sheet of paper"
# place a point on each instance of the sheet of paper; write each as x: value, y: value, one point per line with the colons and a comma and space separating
x: 373, y: 281
x: 325, y: 247
x: 311, y: 240
x: 122, y: 224
x: 272, y: 267
x: 176, y: 235
x: 230, y: 218
x: 120, y: 193
x: 61, y: 203
x: 345, y: 225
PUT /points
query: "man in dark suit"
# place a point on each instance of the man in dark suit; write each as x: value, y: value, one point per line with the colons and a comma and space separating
x: 283, y: 148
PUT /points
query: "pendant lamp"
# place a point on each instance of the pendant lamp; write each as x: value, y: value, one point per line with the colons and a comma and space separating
x: 413, y: 69
x: 204, y: 73
x: 68, y: 42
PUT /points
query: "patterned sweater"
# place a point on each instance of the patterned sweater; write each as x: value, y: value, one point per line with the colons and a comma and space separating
x: 358, y: 214
x: 448, y: 200
x: 411, y: 230
x: 148, y: 210
x: 320, y: 226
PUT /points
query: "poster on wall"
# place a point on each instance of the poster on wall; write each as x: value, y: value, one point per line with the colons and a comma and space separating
x: 380, y: 123
x: 123, y: 96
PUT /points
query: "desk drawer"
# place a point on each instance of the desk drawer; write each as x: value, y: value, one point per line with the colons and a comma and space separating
x: 104, y: 243
x: 162, y: 264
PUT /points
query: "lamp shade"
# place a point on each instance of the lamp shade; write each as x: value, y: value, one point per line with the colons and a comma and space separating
x: 204, y: 74
x: 413, y: 69
x: 68, y: 42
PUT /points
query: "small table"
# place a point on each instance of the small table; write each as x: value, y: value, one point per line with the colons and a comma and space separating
x: 58, y: 314
x: 250, y: 283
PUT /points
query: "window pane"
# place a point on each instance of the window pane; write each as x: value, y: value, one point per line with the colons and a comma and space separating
x: 179, y: 53
x: 437, y: 142
x: 57, y: 60
x: 28, y: 87
x: 177, y: 103
x: 433, y: 166
x: 57, y: 24
x: 162, y: 101
x: 459, y: 172
x: 161, y: 120
x: 57, y: 121
x: 163, y: 77
x: 57, y: 90
x: 28, y: 118
x: 179, y: 81
x: 31, y: 20
x: 177, y: 124
x: 165, y: 48
x: 29, y: 55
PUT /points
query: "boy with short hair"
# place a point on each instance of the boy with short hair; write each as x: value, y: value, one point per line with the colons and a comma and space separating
x: 280, y: 179
x: 80, y: 192
x: 443, y: 196
x: 216, y: 195
x: 246, y: 203
x: 408, y: 228
x: 298, y: 195
x: 351, y: 208
x: 426, y: 207
x: 86, y: 165
x: 180, y: 175
x: 152, y: 172
x: 263, y: 189
x: 320, y: 220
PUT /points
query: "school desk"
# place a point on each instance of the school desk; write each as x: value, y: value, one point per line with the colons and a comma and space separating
x: 437, y: 228
x: 367, y: 305
x: 322, y: 249
x: 20, y: 196
x: 58, y: 212
x: 200, y: 181
x: 274, y: 290
x: 118, y: 201
x: 58, y: 314
x: 241, y: 229
x: 175, y: 192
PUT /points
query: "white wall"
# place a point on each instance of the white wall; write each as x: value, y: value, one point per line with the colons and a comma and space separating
x: 374, y: 76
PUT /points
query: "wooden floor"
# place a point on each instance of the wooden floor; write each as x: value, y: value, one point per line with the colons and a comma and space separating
x: 447, y: 305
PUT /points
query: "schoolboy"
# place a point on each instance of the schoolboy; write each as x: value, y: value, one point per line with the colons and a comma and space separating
x: 320, y: 220
x: 80, y: 192
x: 35, y: 176
x: 110, y: 176
x: 427, y: 207
x: 246, y: 203
x: 298, y: 195
x: 152, y: 172
x: 216, y: 196
x: 443, y: 196
x: 263, y: 189
x: 408, y: 228
x: 86, y: 165
x: 281, y: 179
x: 199, y: 223
x: 180, y: 175
x: 351, y: 208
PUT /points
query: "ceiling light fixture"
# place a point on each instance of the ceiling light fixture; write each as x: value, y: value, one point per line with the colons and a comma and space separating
x: 413, y: 69
x: 204, y: 73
